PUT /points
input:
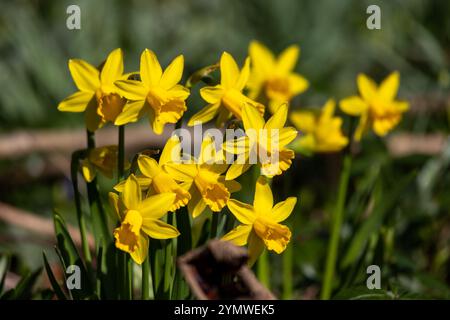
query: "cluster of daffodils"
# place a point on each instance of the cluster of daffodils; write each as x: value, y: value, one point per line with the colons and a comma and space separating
x: 255, y: 98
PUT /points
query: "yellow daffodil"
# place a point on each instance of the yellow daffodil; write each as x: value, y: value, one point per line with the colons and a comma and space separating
x: 260, y: 224
x: 264, y: 143
x: 97, y: 95
x: 158, y: 93
x: 203, y: 177
x: 376, y: 106
x: 226, y: 99
x: 103, y: 159
x: 321, y: 132
x: 140, y: 219
x: 273, y: 78
x: 161, y: 181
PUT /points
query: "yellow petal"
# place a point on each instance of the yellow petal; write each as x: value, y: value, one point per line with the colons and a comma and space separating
x: 328, y: 109
x: 353, y: 105
x: 304, y: 121
x: 283, y: 137
x: 88, y: 170
x: 262, y: 59
x: 131, y: 112
x: 92, y: 119
x: 389, y: 87
x: 252, y: 118
x: 278, y: 120
x: 150, y: 70
x: 132, y: 89
x: 362, y: 127
x: 85, y: 76
x: 127, y: 235
x: 255, y: 247
x: 157, y: 229
x: 181, y: 172
x: 131, y: 195
x: 115, y: 203
x: 232, y: 186
x: 288, y: 58
x: 148, y: 166
x: 156, y: 206
x: 140, y: 253
x: 173, y: 73
x: 229, y: 71
x: 76, y: 102
x: 196, y: 205
x: 236, y: 170
x: 238, y: 235
x: 244, y: 75
x: 297, y: 84
x: 205, y: 115
x: 263, y: 201
x: 367, y: 87
x: 242, y: 211
x: 171, y: 151
x: 283, y: 209
x: 212, y: 94
x: 275, y: 236
x: 113, y: 68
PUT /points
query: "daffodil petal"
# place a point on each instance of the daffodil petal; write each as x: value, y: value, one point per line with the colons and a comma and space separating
x: 171, y: 151
x: 173, y: 73
x: 131, y: 195
x: 150, y: 70
x: 181, y: 172
x: 132, y: 89
x: 236, y: 170
x: 278, y: 119
x: 88, y: 170
x: 85, y: 76
x: 389, y: 87
x: 92, y: 119
x: 304, y: 121
x: 156, y: 206
x: 262, y: 59
x: 285, y: 136
x: 263, y: 201
x: 367, y: 87
x: 288, y: 58
x: 148, y: 166
x: 242, y: 211
x: 353, y: 105
x: 76, y: 102
x: 238, y: 235
x: 113, y: 68
x: 141, y: 252
x: 255, y: 247
x: 229, y: 70
x: 297, y: 84
x: 131, y: 112
x: 283, y: 209
x: 212, y: 94
x: 252, y: 118
x: 114, y: 201
x: 244, y: 75
x: 196, y: 205
x: 205, y: 115
x: 158, y: 229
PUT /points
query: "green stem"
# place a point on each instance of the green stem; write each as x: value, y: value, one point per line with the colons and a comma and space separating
x: 121, y: 155
x: 146, y: 279
x: 263, y: 269
x: 80, y: 216
x: 287, y: 271
x: 214, y: 224
x: 337, y: 220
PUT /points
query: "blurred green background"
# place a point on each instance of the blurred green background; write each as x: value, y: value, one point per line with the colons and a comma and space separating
x: 398, y: 207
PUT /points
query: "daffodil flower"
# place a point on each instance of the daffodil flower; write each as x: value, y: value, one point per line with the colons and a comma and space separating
x: 140, y: 219
x: 158, y: 94
x: 161, y: 181
x: 260, y: 224
x: 264, y: 143
x: 376, y: 106
x: 322, y: 132
x: 103, y: 159
x: 274, y: 78
x: 97, y: 95
x: 204, y: 180
x: 226, y: 99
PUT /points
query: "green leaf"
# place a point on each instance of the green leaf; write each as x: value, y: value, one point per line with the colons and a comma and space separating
x: 384, y: 203
x: 24, y: 288
x: 4, y: 266
x: 56, y: 288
